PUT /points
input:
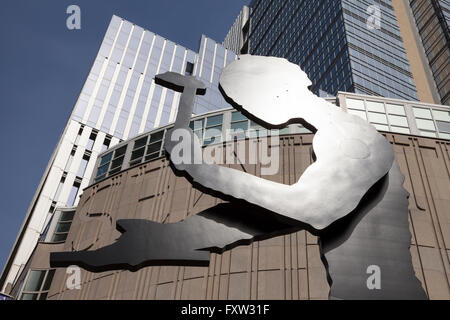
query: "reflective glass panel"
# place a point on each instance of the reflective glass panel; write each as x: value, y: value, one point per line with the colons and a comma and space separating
x: 66, y: 216
x: 106, y: 158
x: 243, y: 125
x: 422, y: 113
x: 197, y: 124
x: 443, y: 126
x: 377, y: 117
x: 398, y: 121
x: 214, y: 120
x: 120, y: 151
x: 355, y: 104
x: 237, y: 116
x: 140, y: 143
x: 375, y: 106
x: 158, y: 136
x: 425, y: 124
x: 395, y: 109
x: 441, y: 115
x: 212, y: 132
x: 34, y: 280
x: 155, y: 147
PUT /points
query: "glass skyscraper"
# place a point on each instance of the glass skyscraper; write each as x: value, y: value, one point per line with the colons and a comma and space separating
x: 432, y: 18
x: 334, y: 44
x: 118, y: 101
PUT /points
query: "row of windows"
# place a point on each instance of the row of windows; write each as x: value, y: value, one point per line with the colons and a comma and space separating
x: 111, y: 163
x: 393, y: 117
x: 62, y: 226
x: 37, y: 284
x: 208, y: 129
x: 312, y: 35
x: 435, y: 35
x: 431, y: 122
x: 80, y: 173
x: 384, y: 116
x: 147, y: 148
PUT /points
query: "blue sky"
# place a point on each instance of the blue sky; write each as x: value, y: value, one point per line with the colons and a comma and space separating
x: 43, y: 66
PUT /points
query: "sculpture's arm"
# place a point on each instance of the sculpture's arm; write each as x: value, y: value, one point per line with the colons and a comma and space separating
x: 327, y: 190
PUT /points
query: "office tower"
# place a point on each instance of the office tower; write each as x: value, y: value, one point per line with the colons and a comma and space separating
x: 432, y: 22
x: 388, y: 48
x: 238, y: 32
x: 118, y: 101
x: 335, y: 43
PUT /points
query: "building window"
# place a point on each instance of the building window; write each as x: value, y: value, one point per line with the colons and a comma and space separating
x: 104, y: 166
x: 69, y: 161
x: 91, y: 141
x: 197, y: 126
x: 37, y: 285
x: 213, y: 131
x: 356, y: 107
x: 375, y: 106
x: 257, y: 131
x: 379, y: 118
x: 80, y: 132
x: 73, y: 193
x: 376, y: 114
x: 111, y: 163
x: 154, y: 145
x: 106, y: 143
x: 355, y: 104
x: 52, y: 207
x: 424, y: 121
x: 395, y: 109
x: 442, y: 119
x: 239, y: 125
x: 63, y: 226
x: 83, y: 165
x: 138, y: 151
x: 60, y: 186
x: 117, y: 161
x: 189, y: 68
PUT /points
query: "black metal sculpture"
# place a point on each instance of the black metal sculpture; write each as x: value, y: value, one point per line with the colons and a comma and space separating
x: 355, y: 174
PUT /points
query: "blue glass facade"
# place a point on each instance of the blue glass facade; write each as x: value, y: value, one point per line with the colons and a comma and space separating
x: 432, y: 18
x: 333, y: 44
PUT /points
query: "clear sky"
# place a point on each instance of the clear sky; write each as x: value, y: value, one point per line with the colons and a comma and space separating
x: 43, y: 66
